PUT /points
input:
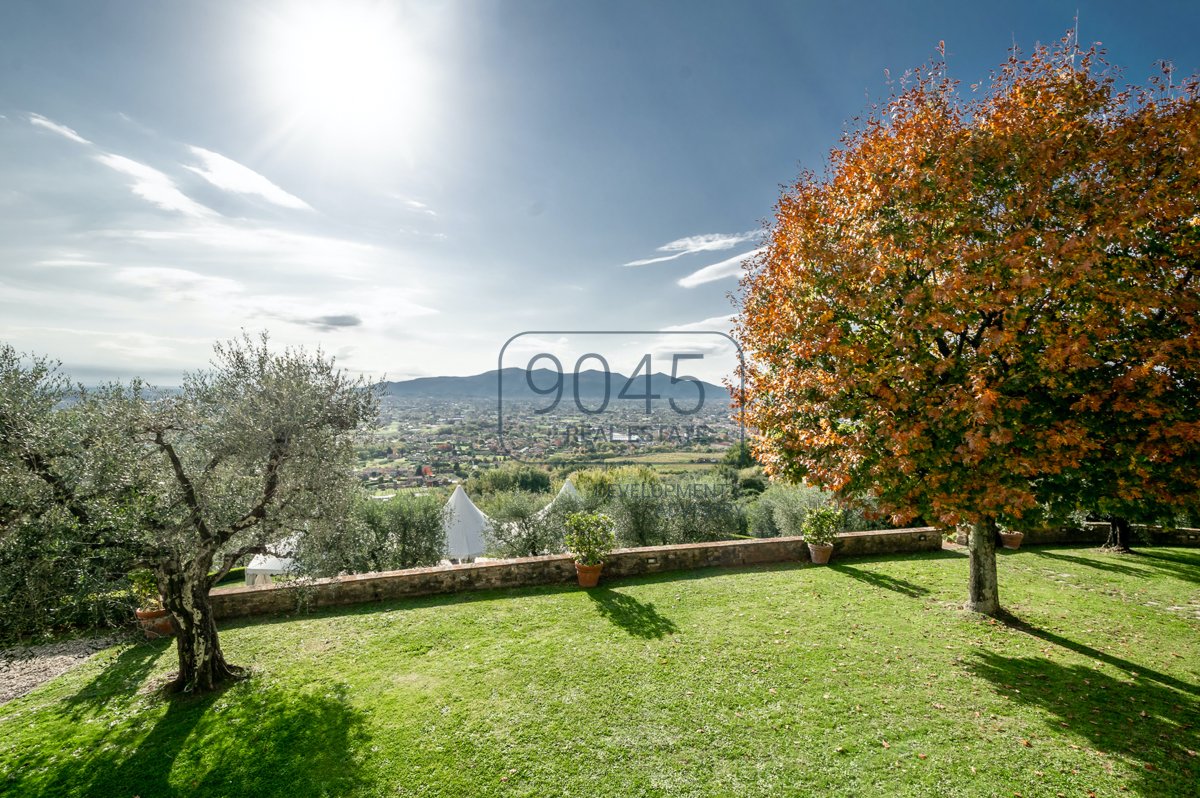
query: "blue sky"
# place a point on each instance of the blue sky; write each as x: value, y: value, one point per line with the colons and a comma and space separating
x: 410, y: 184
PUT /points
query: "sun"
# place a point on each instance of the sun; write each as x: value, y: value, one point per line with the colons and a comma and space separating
x: 349, y: 73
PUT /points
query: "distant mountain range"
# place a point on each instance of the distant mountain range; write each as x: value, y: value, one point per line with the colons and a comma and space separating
x: 516, y: 387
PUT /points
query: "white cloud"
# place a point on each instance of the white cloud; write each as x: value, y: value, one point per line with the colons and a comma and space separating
x: 178, y: 284
x: 62, y: 130
x: 229, y: 175
x: 731, y: 267
x: 71, y: 262
x: 715, y: 324
x: 416, y: 206
x: 710, y: 242
x: 154, y: 186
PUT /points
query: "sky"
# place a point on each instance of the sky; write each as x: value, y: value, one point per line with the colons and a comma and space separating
x: 410, y: 185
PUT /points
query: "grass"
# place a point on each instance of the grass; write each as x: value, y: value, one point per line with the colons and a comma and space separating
x: 863, y: 678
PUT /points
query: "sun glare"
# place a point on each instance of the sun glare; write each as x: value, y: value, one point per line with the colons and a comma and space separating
x: 349, y: 73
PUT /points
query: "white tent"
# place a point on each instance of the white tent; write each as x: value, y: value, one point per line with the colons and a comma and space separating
x: 567, y: 491
x: 264, y: 566
x: 464, y: 527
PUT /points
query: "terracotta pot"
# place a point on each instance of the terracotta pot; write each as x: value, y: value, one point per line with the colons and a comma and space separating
x: 589, y: 575
x: 819, y: 552
x: 155, y: 623
x: 1012, y: 540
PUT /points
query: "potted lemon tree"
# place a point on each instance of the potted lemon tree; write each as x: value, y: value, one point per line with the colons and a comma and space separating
x: 819, y: 529
x: 152, y: 616
x: 590, y: 539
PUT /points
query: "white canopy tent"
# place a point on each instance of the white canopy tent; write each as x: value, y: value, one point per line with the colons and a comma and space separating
x: 264, y: 566
x: 464, y: 527
x: 567, y: 491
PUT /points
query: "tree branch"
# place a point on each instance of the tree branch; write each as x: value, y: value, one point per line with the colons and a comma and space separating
x: 270, y: 485
x: 185, y: 484
x: 230, y: 559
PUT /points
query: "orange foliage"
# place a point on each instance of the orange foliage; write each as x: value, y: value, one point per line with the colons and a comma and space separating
x: 988, y: 303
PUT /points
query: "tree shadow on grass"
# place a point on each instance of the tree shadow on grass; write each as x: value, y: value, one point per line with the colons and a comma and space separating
x: 638, y: 618
x: 884, y: 581
x: 248, y: 739
x: 1138, y: 563
x: 1146, y: 723
x: 121, y: 678
x: 1142, y: 672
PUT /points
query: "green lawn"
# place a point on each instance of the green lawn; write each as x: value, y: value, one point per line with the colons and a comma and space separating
x: 863, y: 678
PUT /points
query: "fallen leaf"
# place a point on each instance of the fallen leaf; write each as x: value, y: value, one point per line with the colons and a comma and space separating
x: 886, y: 744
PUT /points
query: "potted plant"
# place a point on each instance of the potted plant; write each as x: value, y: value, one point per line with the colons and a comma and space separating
x: 590, y: 539
x: 152, y: 616
x: 819, y: 529
x: 1010, y: 538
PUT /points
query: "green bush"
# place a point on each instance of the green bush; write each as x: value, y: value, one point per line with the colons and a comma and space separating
x: 590, y: 537
x: 405, y: 531
x: 822, y: 525
x: 508, y: 478
x: 702, y: 510
x: 50, y: 580
x: 521, y: 528
x: 638, y: 511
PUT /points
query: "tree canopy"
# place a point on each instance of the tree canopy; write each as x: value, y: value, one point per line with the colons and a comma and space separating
x: 985, y: 309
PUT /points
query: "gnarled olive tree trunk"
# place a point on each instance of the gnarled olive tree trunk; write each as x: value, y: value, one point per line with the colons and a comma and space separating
x: 185, y: 587
x: 983, y: 594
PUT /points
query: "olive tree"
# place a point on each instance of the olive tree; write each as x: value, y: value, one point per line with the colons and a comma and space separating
x: 253, y: 451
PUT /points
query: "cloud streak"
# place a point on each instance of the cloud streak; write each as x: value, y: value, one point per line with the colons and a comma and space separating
x: 154, y: 186
x: 178, y: 285
x: 689, y: 245
x: 416, y: 206
x: 730, y: 267
x: 229, y: 175
x: 62, y: 130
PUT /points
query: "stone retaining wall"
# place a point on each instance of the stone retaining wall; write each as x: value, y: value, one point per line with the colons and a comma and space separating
x: 554, y: 569
x: 1095, y: 533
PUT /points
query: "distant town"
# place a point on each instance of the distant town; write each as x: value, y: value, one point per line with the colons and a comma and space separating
x: 427, y: 442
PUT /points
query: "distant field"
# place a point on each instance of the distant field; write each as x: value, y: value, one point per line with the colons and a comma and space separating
x: 670, y: 462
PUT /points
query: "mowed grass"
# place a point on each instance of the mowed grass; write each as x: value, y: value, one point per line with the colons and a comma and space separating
x: 863, y: 678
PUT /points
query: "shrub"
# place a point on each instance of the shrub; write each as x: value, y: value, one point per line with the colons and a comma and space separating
x: 145, y: 589
x: 590, y: 537
x: 638, y: 512
x: 701, y: 510
x: 523, y: 526
x: 405, y: 531
x: 822, y: 525
x: 508, y: 478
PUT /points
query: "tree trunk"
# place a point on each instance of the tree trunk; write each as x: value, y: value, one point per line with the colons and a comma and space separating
x: 1120, y: 535
x: 983, y: 595
x: 202, y: 666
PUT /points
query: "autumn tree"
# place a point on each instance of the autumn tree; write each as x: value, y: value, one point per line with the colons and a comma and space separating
x: 984, y: 310
x: 254, y: 451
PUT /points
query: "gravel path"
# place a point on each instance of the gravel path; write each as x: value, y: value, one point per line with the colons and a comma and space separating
x: 22, y: 669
